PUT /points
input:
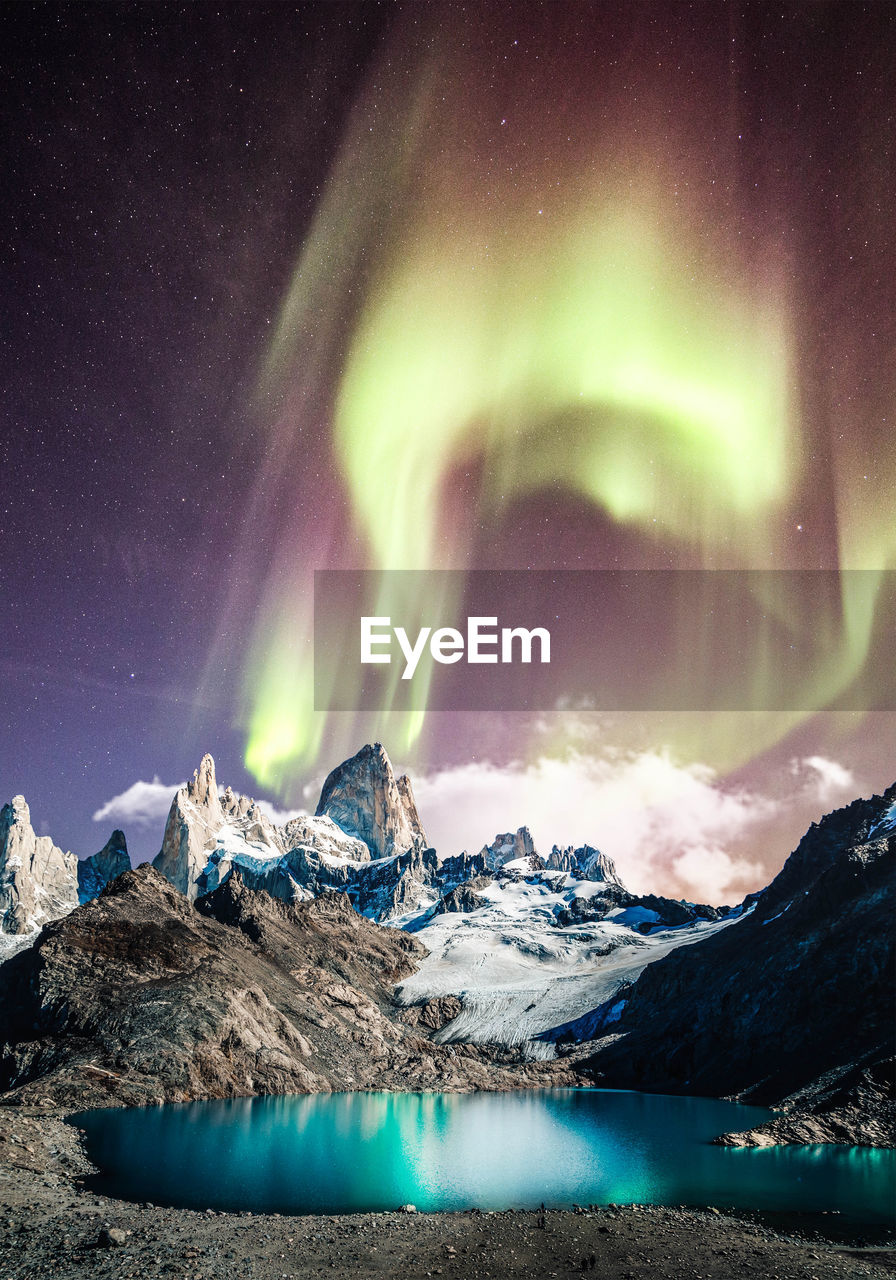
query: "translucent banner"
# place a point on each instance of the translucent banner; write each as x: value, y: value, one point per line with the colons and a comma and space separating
x: 607, y: 640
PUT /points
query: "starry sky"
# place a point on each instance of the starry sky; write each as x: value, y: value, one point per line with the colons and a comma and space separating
x: 427, y: 286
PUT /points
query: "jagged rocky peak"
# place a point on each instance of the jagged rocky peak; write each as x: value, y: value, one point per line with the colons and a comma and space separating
x: 365, y: 799
x: 95, y: 872
x: 369, y: 814
x: 861, y: 830
x: 38, y: 882
x: 194, y: 819
x: 203, y: 788
x: 512, y: 846
x: 585, y: 863
x: 406, y: 792
x: 201, y: 822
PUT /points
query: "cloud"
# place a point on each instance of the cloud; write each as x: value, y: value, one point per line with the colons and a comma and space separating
x: 671, y: 828
x: 829, y: 780
x: 709, y: 873
x: 142, y: 804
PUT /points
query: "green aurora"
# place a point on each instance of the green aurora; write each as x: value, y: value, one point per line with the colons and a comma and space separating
x: 578, y: 307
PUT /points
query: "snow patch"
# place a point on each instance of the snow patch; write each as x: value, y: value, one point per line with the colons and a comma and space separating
x: 10, y: 943
x: 518, y: 975
x: 886, y: 824
x: 633, y: 916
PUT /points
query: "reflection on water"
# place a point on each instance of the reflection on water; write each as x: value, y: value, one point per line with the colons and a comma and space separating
x: 368, y: 1151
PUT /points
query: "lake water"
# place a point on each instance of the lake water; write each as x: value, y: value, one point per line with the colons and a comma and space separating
x: 351, y: 1152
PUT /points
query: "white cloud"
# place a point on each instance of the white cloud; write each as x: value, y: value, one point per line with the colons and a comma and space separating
x: 829, y: 780
x: 708, y: 873
x: 142, y: 804
x: 671, y: 828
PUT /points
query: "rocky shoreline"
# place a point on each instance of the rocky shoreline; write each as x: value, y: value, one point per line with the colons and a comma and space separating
x: 856, y: 1108
x: 51, y: 1224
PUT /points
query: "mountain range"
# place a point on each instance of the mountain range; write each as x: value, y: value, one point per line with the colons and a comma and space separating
x: 341, y: 951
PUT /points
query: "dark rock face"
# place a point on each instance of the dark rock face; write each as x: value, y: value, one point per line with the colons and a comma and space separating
x: 380, y: 890
x: 433, y: 1014
x: 181, y: 1004
x: 585, y: 863
x: 854, y: 1107
x: 670, y: 913
x: 139, y: 996
x: 597, y: 907
x: 463, y: 898
x: 364, y: 798
x: 511, y: 846
x: 796, y: 992
x: 95, y: 872
x: 675, y: 912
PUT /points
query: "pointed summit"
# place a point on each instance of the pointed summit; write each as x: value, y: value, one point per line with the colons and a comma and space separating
x: 511, y: 846
x: 95, y: 872
x: 193, y: 819
x: 202, y: 823
x: 38, y: 882
x: 202, y: 788
x: 365, y: 799
x: 586, y: 863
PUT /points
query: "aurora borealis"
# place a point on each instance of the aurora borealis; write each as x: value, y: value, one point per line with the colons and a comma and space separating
x: 567, y: 294
x: 430, y: 286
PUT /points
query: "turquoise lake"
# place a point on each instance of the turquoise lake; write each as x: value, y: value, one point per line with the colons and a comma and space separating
x: 354, y: 1152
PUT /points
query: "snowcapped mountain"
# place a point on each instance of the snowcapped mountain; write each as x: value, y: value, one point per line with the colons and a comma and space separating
x: 38, y: 882
x: 512, y: 847
x: 373, y: 849
x: 587, y: 863
x: 530, y: 948
x: 516, y: 849
x: 547, y: 956
x: 522, y: 944
x: 201, y: 824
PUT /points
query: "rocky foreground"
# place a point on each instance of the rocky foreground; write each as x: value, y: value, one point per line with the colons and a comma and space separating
x: 141, y: 996
x: 50, y: 1225
x: 855, y: 1107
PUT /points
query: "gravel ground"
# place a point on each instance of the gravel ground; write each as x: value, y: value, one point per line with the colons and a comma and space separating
x: 51, y: 1226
